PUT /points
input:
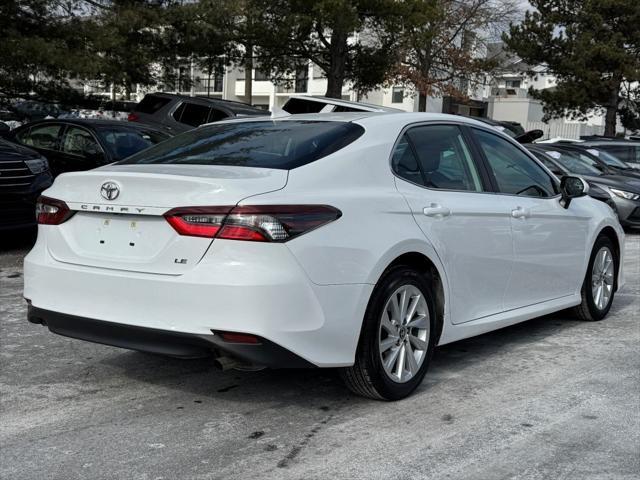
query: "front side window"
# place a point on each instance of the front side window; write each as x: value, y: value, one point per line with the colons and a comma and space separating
x: 555, y: 169
x: 443, y: 158
x: 79, y: 142
x: 44, y: 136
x: 283, y: 144
x: 515, y: 173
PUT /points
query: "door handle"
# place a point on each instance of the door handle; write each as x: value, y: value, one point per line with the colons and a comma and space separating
x: 520, y: 212
x: 436, y: 210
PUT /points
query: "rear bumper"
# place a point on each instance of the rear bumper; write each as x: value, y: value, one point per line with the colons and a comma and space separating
x: 163, y: 342
x: 246, y: 287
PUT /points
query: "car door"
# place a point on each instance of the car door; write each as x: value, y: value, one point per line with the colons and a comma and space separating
x: 469, y: 228
x: 45, y: 139
x: 80, y: 150
x: 549, y: 241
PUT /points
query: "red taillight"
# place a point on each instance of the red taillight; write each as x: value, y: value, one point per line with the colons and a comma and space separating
x: 260, y: 223
x: 132, y: 117
x: 50, y: 211
x: 197, y: 221
x: 233, y: 337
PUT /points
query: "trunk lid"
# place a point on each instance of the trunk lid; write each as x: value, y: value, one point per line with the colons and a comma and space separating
x: 129, y: 232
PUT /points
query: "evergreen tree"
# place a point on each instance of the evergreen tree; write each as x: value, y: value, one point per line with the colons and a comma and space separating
x: 593, y: 48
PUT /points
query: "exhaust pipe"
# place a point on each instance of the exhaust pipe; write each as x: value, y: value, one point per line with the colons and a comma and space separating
x: 226, y: 363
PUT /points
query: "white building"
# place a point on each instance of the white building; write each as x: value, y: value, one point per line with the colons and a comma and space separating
x: 509, y: 99
x: 505, y: 95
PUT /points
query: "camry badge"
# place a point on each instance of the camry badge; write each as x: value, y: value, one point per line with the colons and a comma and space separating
x: 110, y: 190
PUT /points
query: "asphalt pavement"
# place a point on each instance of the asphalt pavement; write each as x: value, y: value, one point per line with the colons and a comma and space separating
x: 551, y: 398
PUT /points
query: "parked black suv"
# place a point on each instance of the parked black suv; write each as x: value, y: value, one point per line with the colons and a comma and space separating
x: 179, y: 113
x: 24, y: 173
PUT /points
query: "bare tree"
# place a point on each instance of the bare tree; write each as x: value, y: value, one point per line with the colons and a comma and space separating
x: 443, y: 45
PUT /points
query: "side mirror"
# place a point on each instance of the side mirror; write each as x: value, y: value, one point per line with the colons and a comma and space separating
x: 572, y: 187
x: 530, y: 136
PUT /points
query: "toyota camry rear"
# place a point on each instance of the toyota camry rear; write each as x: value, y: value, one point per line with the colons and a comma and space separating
x: 354, y: 240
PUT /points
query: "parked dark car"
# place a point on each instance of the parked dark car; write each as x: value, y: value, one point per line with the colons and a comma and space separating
x: 624, y: 192
x: 626, y: 150
x: 179, y: 113
x: 83, y: 144
x: 605, y: 159
x: 31, y: 110
x: 24, y: 173
x: 513, y: 129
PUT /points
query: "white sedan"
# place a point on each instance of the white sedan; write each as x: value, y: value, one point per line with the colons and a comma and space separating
x: 355, y: 240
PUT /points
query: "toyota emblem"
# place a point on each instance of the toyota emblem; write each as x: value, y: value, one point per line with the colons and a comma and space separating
x: 110, y: 190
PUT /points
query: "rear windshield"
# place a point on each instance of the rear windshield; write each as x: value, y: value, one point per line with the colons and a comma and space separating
x: 267, y: 144
x: 151, y: 104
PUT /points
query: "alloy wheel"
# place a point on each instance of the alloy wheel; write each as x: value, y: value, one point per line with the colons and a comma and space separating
x: 602, y: 274
x: 404, y: 333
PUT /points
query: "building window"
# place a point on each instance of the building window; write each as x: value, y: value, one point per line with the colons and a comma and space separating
x: 261, y: 75
x: 318, y: 73
x: 302, y: 79
x: 218, y: 80
x: 513, y: 83
x: 397, y: 95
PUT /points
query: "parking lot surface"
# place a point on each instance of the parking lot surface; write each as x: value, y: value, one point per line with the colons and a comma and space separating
x: 552, y: 398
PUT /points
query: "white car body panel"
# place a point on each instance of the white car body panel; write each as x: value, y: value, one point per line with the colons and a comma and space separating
x: 308, y: 295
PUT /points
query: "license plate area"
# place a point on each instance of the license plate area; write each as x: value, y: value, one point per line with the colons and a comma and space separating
x: 142, y: 243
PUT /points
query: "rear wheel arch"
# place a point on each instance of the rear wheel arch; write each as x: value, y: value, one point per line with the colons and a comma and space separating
x: 425, y: 266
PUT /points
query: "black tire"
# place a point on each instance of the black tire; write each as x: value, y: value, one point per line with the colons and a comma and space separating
x: 367, y: 376
x: 587, y: 310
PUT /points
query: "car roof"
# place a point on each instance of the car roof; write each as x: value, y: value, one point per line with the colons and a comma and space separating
x: 95, y: 123
x: 621, y: 142
x: 231, y: 104
x: 364, y: 107
x: 391, y: 119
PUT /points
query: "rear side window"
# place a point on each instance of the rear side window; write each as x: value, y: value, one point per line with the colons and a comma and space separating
x: 283, y: 145
x: 296, y: 106
x: 216, y: 115
x: 151, y: 104
x: 41, y: 136
x: 622, y: 152
x: 405, y: 163
x: 192, y: 114
x: 441, y: 156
